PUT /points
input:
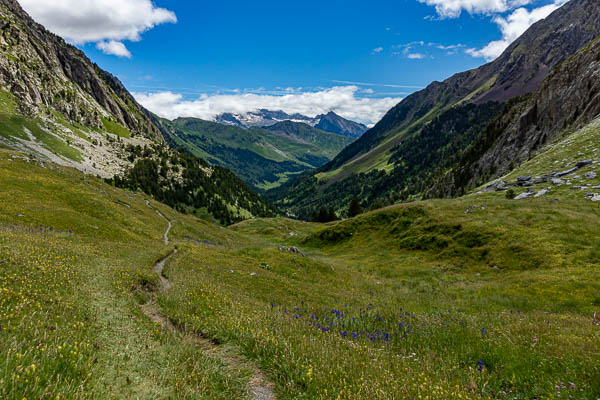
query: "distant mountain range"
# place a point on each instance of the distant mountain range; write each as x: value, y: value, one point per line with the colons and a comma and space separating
x: 474, y: 126
x: 330, y: 122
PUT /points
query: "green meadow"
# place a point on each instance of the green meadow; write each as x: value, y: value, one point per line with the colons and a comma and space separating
x: 474, y: 298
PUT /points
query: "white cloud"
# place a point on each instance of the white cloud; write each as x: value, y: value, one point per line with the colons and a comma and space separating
x: 115, y: 48
x: 407, y: 50
x: 389, y: 85
x: 377, y: 49
x: 512, y: 27
x: 100, y: 21
x: 449, y: 49
x: 340, y: 99
x: 453, y: 8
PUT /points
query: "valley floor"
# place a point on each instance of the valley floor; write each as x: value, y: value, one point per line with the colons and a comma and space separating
x: 479, y: 297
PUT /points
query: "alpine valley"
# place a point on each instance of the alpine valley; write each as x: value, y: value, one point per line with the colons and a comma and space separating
x: 452, y: 251
x: 264, y: 157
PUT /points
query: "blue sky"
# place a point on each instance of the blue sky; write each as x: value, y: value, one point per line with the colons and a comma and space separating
x: 178, y: 55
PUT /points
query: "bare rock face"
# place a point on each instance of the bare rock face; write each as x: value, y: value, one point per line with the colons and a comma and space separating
x: 42, y: 71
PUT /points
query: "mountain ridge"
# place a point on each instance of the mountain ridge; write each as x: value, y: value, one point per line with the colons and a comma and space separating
x: 510, y: 75
x: 566, y: 101
x: 96, y: 93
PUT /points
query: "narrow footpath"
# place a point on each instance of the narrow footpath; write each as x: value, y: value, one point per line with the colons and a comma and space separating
x: 258, y: 386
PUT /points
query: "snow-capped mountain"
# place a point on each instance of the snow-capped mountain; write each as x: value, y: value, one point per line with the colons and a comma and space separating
x: 330, y: 122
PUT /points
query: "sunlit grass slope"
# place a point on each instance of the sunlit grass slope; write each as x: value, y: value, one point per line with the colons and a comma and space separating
x: 480, y: 297
x: 73, y: 253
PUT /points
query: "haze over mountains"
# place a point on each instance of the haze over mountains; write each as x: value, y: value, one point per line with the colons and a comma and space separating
x: 264, y: 157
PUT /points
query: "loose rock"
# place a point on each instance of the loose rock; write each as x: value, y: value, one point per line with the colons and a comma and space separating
x: 524, y: 196
x: 567, y: 172
x: 584, y: 163
x: 292, y: 249
x: 496, y: 186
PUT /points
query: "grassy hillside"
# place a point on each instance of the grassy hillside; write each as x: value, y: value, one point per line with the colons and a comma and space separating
x: 478, y: 297
x: 402, y: 170
x: 263, y: 158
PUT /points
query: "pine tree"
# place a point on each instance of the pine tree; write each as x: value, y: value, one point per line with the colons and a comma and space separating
x: 323, y: 215
x: 315, y: 216
x: 332, y: 216
x: 355, y: 208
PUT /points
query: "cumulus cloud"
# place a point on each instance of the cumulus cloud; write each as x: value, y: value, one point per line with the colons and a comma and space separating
x: 512, y: 27
x: 106, y: 22
x: 340, y: 99
x: 377, y: 49
x: 454, y: 8
x: 415, y: 56
x: 115, y: 48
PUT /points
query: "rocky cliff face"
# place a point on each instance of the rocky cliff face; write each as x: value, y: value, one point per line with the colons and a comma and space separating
x: 45, y: 73
x: 567, y: 100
